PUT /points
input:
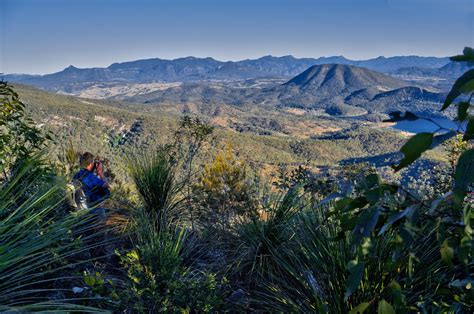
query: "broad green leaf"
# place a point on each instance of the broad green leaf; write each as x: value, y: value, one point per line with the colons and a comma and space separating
x: 356, y: 270
x: 468, y: 214
x: 347, y: 204
x: 395, y: 286
x: 467, y: 87
x: 374, y: 195
x: 385, y: 308
x: 447, y: 252
x: 462, y: 110
x: 395, y: 217
x: 463, y: 176
x: 462, y: 85
x: 366, y: 223
x: 89, y: 280
x: 397, y: 294
x: 414, y: 148
x: 343, y: 203
x: 407, y: 235
x: 441, y: 138
x: 464, y: 250
x: 468, y: 55
x: 360, y: 308
x: 366, y: 246
x: 469, y: 134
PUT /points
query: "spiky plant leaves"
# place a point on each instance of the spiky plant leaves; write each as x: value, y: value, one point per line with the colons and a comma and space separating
x: 258, y: 238
x: 154, y: 175
x: 37, y: 237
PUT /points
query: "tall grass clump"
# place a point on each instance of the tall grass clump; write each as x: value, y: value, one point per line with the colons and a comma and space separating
x: 312, y: 267
x: 161, y: 275
x: 154, y: 175
x: 41, y: 244
x: 256, y: 240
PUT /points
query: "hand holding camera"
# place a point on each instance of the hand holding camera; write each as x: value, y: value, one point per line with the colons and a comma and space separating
x: 99, y: 167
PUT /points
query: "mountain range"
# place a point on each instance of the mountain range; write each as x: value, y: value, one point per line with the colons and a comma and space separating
x: 334, y: 89
x: 72, y: 79
x: 333, y: 86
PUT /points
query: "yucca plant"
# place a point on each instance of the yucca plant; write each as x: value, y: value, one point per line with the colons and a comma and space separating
x: 312, y: 268
x: 40, y: 243
x: 154, y: 175
x: 256, y: 240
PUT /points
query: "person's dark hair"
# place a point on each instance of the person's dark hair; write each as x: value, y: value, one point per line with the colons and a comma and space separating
x: 86, y: 159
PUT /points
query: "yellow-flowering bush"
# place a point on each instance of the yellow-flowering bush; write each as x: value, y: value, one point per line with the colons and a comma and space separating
x: 224, y: 191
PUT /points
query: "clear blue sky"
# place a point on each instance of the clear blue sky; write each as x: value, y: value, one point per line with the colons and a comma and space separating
x: 43, y: 36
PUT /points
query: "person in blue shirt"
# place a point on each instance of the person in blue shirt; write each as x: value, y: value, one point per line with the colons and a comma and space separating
x: 94, y: 183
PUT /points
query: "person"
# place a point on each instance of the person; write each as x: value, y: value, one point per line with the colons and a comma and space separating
x: 93, y: 182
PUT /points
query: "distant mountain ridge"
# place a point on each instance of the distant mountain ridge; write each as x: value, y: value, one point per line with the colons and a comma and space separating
x: 448, y: 70
x: 336, y: 89
x: 200, y: 69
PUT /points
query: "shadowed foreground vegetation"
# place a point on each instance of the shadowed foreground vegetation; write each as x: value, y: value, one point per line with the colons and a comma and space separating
x: 215, y: 237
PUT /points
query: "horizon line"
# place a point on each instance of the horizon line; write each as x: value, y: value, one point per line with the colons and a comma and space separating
x: 220, y: 60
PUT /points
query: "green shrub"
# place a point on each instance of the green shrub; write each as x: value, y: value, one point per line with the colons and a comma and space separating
x: 223, y: 194
x: 19, y: 138
x: 157, y: 275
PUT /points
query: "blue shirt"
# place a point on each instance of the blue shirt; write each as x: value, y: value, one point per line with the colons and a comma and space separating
x: 93, y: 187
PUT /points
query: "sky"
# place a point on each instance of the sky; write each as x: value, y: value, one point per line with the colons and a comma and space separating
x: 45, y: 36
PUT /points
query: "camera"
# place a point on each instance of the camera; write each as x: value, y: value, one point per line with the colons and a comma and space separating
x: 97, y: 162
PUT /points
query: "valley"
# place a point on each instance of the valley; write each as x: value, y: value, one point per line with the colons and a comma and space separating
x: 236, y: 156
x: 262, y: 107
x: 327, y: 88
x: 323, y: 118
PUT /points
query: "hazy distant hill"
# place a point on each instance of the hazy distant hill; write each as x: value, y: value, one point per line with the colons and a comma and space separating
x: 449, y: 70
x: 335, y: 89
x: 72, y: 79
x: 441, y: 78
x: 392, y: 64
